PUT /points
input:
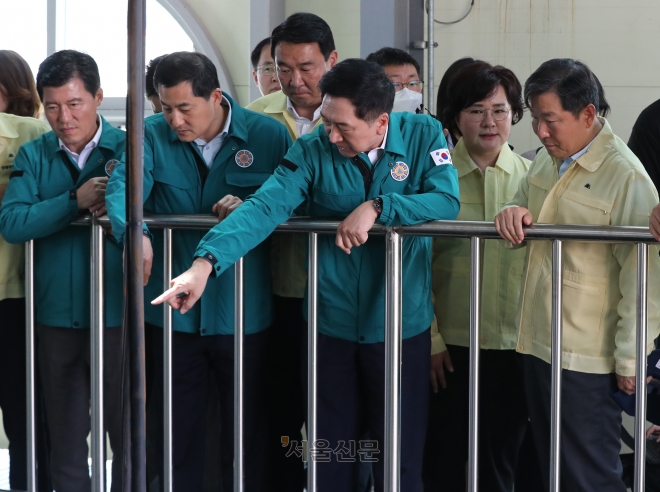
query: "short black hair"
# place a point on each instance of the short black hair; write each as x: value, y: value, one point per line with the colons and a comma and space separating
x: 365, y: 84
x: 476, y: 82
x: 393, y: 57
x: 149, y: 76
x: 64, y: 65
x: 185, y: 66
x: 573, y: 82
x: 304, y: 28
x: 256, y: 52
x: 442, y: 100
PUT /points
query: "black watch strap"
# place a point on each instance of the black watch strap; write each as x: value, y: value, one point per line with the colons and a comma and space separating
x: 378, y: 205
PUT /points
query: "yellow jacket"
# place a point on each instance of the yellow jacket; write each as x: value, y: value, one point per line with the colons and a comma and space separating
x: 288, y: 250
x: 14, y: 132
x: 605, y: 186
x: 482, y: 196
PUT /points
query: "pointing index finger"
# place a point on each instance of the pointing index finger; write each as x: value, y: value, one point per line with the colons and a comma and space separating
x: 175, y: 291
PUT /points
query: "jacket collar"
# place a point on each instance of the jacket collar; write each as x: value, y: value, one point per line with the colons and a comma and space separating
x: 592, y: 159
x: 7, y: 130
x: 465, y: 165
x: 110, y: 138
x: 237, y: 127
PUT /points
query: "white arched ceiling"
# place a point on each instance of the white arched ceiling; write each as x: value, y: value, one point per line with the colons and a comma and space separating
x: 202, y: 41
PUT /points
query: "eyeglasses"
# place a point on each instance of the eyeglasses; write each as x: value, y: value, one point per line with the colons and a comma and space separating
x: 267, y: 70
x: 477, y: 115
x: 413, y: 85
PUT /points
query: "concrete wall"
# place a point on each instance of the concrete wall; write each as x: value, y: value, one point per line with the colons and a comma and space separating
x: 611, y: 36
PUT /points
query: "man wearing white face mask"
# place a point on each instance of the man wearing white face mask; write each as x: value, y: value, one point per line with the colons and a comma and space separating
x: 403, y: 70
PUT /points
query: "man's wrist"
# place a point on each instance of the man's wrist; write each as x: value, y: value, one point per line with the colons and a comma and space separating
x: 204, y: 265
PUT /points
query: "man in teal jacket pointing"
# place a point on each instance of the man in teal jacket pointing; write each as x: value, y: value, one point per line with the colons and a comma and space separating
x: 364, y: 166
x: 205, y: 154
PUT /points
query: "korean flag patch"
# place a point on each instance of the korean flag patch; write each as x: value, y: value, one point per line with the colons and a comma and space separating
x: 441, y: 156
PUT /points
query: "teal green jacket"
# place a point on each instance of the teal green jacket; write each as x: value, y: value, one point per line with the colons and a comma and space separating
x: 40, y: 204
x: 173, y: 185
x: 351, y: 288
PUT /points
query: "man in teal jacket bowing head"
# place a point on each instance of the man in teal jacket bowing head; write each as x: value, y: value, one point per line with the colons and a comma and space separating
x: 364, y: 166
x: 205, y: 154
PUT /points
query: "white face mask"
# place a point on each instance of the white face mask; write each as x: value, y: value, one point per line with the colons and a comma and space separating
x: 407, y: 101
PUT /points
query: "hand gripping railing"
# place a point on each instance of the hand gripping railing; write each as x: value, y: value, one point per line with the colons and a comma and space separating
x: 476, y: 231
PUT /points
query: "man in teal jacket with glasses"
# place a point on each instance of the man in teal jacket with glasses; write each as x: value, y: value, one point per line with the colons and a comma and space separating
x: 364, y: 166
x: 204, y: 155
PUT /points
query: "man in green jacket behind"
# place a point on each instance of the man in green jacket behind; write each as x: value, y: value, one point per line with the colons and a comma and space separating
x: 364, y: 166
x: 56, y: 178
x: 203, y: 155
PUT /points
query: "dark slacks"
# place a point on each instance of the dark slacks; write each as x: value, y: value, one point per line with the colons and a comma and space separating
x: 502, y: 423
x: 13, y: 397
x: 194, y: 358
x: 590, y: 427
x: 351, y: 384
x: 64, y: 364
x: 285, y: 394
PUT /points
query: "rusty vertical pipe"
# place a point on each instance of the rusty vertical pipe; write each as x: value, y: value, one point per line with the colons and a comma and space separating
x: 133, y: 278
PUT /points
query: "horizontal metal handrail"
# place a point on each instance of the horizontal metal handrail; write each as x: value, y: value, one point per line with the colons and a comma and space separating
x: 439, y: 228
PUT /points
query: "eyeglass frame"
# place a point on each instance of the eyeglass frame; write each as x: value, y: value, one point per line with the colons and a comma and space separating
x: 404, y: 85
x: 262, y: 68
x: 485, y: 112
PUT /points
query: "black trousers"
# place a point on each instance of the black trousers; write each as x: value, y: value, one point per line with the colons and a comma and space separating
x: 194, y: 358
x: 351, y: 384
x: 502, y: 423
x: 13, y: 398
x: 285, y: 394
x: 64, y: 364
x: 590, y: 427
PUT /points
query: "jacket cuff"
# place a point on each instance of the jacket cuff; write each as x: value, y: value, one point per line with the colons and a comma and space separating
x: 207, y: 255
x: 625, y: 368
x: 437, y: 344
x: 386, y: 215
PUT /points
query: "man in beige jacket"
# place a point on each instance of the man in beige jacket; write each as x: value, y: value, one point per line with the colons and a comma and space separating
x: 584, y: 175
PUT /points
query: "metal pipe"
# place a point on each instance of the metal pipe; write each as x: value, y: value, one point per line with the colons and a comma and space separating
x: 640, y: 373
x: 135, y: 450
x: 30, y: 368
x: 557, y: 324
x: 97, y: 322
x: 439, y: 228
x: 430, y: 63
x: 167, y: 364
x: 393, y: 330
x: 475, y: 320
x: 312, y: 283
x: 238, y: 375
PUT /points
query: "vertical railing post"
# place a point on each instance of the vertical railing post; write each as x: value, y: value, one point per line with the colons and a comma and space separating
x: 475, y: 313
x: 640, y: 373
x: 312, y: 281
x: 30, y: 368
x: 238, y: 375
x: 393, y: 331
x: 167, y: 364
x: 555, y: 415
x: 96, y: 341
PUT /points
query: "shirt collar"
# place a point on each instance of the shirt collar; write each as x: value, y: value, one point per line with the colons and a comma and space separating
x: 598, y: 148
x: 296, y: 116
x: 225, y: 129
x: 91, y: 144
x: 378, y: 151
x: 465, y: 165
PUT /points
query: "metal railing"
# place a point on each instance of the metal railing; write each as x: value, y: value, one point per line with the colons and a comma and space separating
x: 476, y: 231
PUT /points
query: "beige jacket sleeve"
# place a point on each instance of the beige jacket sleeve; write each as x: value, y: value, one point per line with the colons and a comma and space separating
x: 633, y: 208
x: 437, y: 343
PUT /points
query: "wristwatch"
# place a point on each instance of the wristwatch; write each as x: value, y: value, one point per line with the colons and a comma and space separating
x: 378, y: 205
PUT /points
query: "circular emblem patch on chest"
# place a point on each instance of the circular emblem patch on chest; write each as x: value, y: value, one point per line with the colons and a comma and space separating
x: 244, y: 158
x: 110, y: 166
x: 400, y: 171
